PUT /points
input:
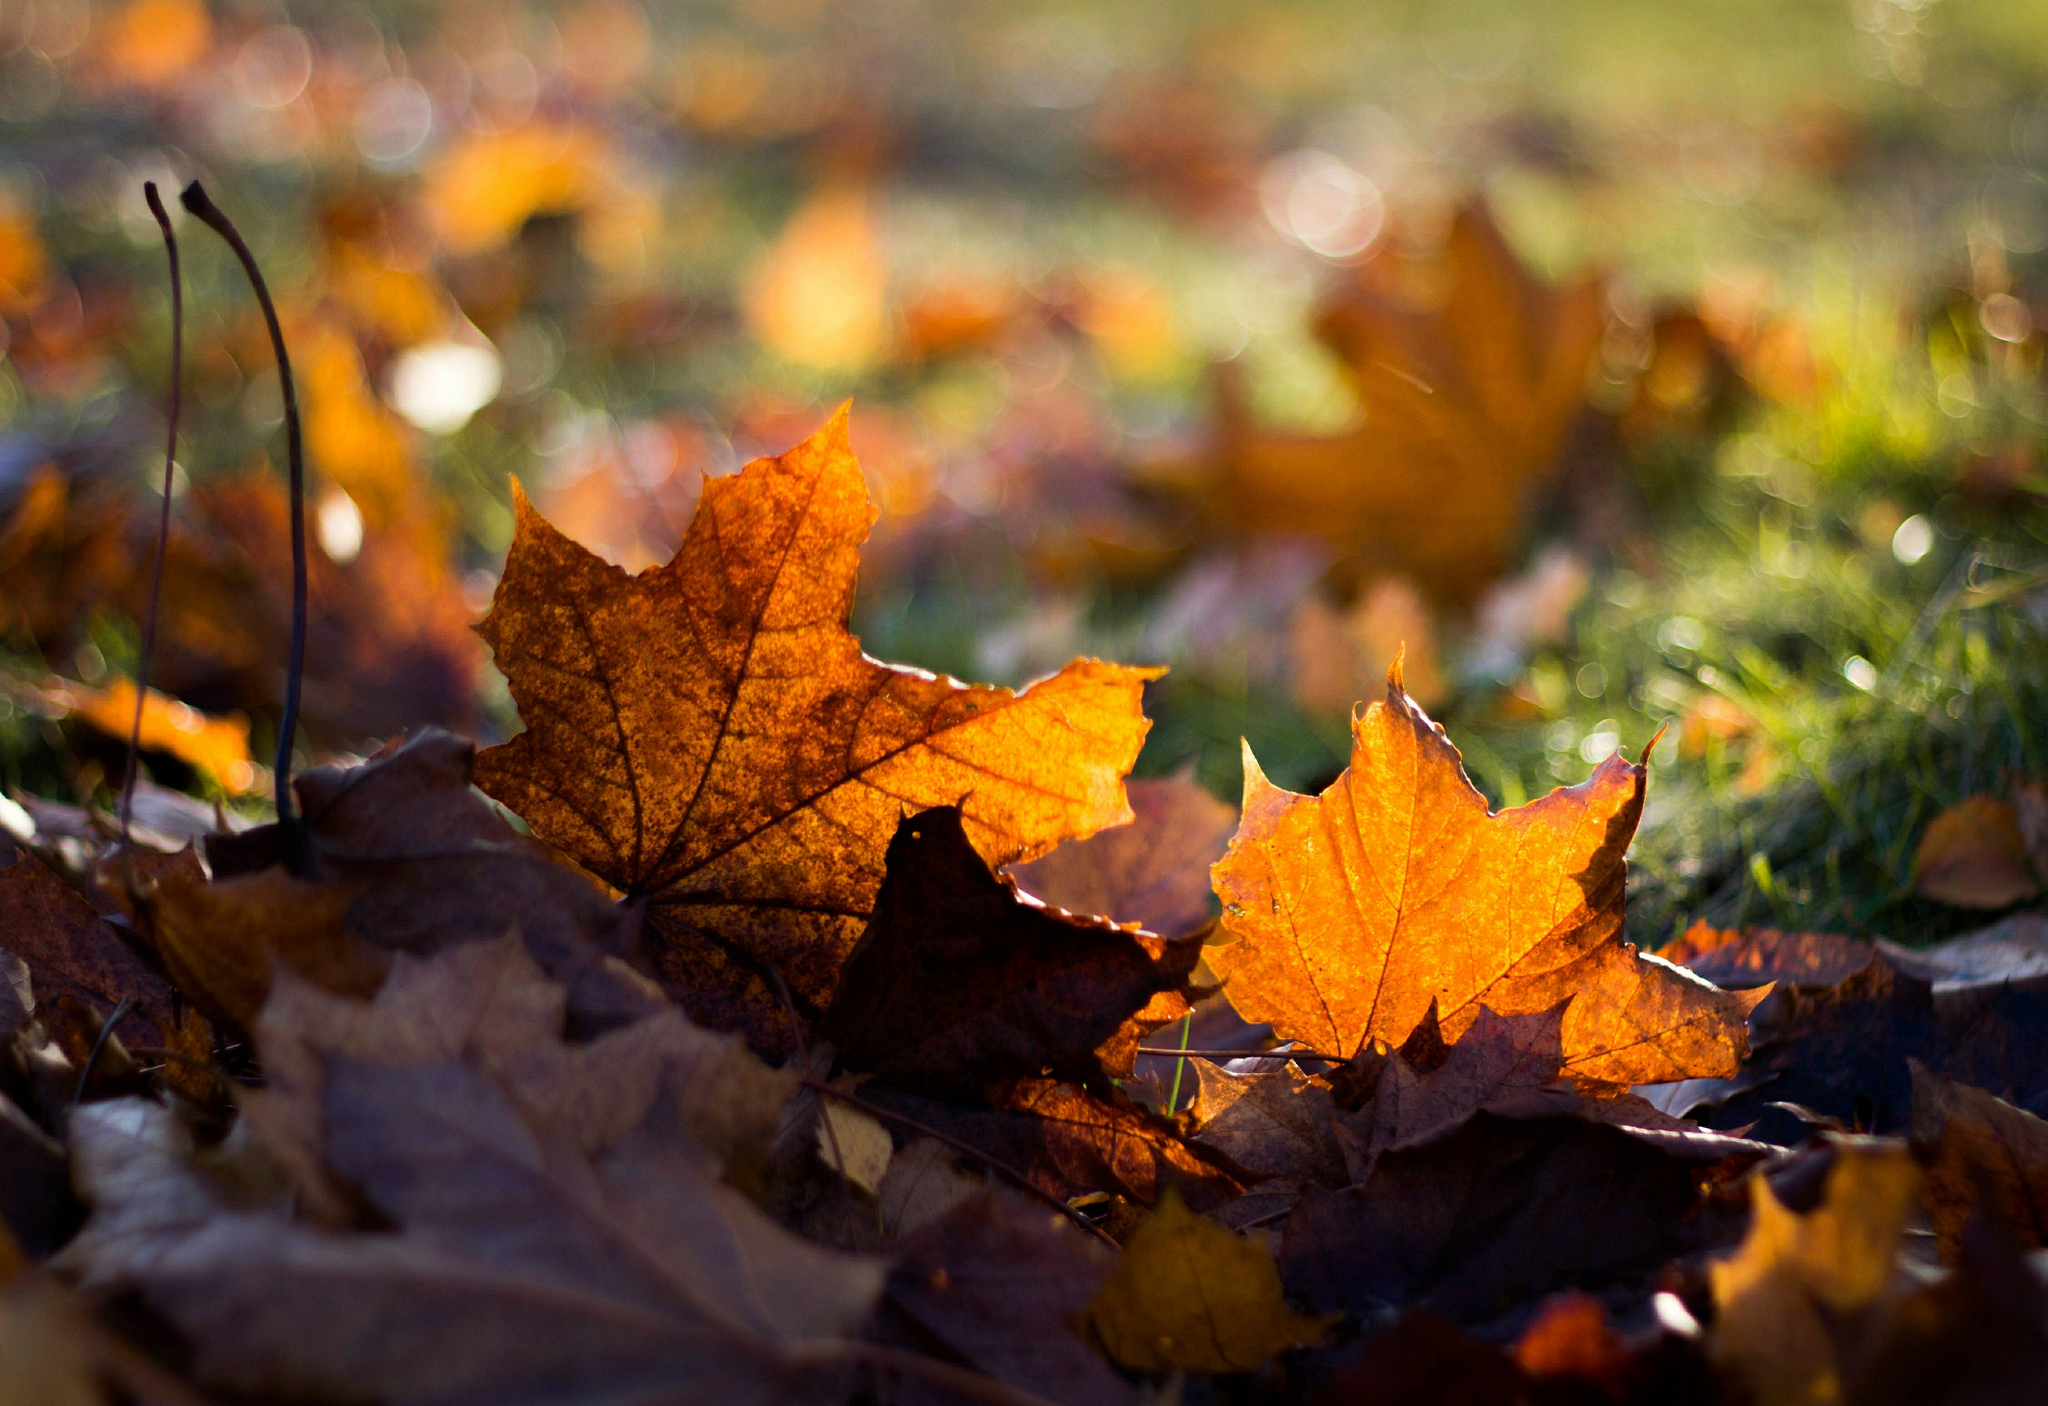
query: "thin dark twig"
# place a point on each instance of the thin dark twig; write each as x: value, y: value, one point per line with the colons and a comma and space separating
x: 200, y: 204
x: 92, y: 1057
x: 163, y: 522
x: 1010, y: 1173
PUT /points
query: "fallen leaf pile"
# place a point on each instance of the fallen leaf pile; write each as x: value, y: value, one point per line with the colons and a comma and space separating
x: 788, y: 1050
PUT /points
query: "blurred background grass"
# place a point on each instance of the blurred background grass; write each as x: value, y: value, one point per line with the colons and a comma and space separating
x: 1061, y: 257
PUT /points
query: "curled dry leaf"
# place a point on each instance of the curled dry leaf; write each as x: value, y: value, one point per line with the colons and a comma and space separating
x: 960, y: 982
x: 708, y: 738
x: 1987, y: 1155
x: 1972, y: 855
x: 559, y: 1232
x: 220, y: 941
x: 1842, y: 1050
x: 1153, y: 871
x: 1191, y: 1294
x: 1394, y: 889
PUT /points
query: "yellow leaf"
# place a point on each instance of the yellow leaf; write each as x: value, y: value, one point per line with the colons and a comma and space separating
x: 1784, y: 1298
x: 1191, y: 1294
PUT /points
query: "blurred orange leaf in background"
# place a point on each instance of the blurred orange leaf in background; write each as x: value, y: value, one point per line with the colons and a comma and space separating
x: 219, y: 747
x: 151, y: 43
x: 488, y: 184
x: 1468, y: 374
x: 23, y: 260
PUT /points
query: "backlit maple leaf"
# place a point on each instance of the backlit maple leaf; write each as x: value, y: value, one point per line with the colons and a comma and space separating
x: 708, y: 738
x: 1395, y: 887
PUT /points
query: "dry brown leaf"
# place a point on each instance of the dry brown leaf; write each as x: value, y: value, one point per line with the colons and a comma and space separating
x: 1504, y: 1211
x: 1153, y: 871
x: 419, y: 862
x: 1759, y: 956
x: 1191, y: 1294
x: 1972, y: 855
x: 1987, y: 1154
x: 1068, y: 1142
x: 1499, y: 1058
x: 1357, y: 909
x: 960, y: 982
x: 554, y: 1225
x: 708, y: 738
x: 1281, y: 1125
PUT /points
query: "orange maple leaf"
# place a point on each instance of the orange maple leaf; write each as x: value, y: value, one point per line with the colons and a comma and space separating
x: 1355, y: 909
x: 708, y: 738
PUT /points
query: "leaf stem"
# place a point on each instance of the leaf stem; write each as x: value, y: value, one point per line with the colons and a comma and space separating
x: 1187, y: 1025
x: 201, y: 206
x: 1009, y: 1172
x: 163, y: 522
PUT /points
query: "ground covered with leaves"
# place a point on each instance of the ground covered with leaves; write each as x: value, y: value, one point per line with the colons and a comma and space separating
x: 1501, y: 859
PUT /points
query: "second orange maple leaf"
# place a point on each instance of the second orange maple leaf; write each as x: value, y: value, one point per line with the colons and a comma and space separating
x: 1355, y: 909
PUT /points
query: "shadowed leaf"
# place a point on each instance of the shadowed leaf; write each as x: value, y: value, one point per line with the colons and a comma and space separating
x: 1153, y: 871
x: 1987, y: 1154
x: 960, y: 983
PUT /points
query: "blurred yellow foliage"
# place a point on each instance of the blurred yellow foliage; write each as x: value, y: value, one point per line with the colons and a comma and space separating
x: 350, y: 436
x: 1130, y: 320
x: 817, y: 296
